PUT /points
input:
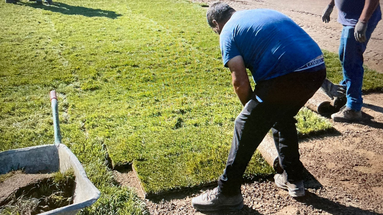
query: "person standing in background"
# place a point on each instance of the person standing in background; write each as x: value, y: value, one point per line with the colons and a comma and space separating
x: 359, y: 19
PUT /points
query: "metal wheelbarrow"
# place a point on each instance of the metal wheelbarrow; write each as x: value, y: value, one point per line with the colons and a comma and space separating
x: 53, y: 158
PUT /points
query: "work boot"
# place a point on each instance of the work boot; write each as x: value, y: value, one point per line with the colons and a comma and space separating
x: 296, y: 188
x: 213, y: 200
x: 347, y: 115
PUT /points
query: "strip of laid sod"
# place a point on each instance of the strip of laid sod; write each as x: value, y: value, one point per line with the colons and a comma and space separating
x: 143, y: 78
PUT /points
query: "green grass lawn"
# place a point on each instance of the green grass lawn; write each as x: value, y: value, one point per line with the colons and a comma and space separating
x: 141, y: 79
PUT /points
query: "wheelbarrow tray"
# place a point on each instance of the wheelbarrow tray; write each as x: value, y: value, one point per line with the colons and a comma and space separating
x: 49, y: 159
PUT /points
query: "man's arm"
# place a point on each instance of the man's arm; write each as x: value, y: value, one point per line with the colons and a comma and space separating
x: 361, y: 27
x: 368, y: 10
x: 240, y: 79
x: 327, y: 12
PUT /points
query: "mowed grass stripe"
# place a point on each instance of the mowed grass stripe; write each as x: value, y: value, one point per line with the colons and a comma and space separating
x: 29, y: 69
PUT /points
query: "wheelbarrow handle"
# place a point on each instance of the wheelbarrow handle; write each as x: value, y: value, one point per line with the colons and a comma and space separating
x: 52, y: 95
x: 56, y: 125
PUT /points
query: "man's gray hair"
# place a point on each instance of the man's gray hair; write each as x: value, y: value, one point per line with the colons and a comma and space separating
x: 220, y: 12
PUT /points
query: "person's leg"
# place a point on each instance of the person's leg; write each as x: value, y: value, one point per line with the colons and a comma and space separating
x: 282, y: 99
x: 251, y: 126
x: 351, y: 57
x: 280, y: 96
x: 297, y: 88
x: 286, y: 142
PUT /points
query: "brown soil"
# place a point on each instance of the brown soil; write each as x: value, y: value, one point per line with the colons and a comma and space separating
x: 345, y: 167
x: 17, y: 180
x: 30, y: 194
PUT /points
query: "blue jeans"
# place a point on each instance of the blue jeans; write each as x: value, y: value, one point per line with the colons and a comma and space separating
x: 282, y: 98
x: 351, y: 58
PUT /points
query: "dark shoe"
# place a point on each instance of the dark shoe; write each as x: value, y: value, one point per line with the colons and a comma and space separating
x: 296, y: 189
x: 339, y: 102
x: 213, y: 200
x: 347, y: 115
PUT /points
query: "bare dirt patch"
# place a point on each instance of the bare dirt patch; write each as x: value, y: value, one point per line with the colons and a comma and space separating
x: 128, y: 177
x: 30, y: 194
x: 344, y: 168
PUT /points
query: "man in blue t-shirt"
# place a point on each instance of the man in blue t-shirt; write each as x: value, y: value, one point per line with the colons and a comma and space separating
x: 288, y: 68
x: 359, y: 19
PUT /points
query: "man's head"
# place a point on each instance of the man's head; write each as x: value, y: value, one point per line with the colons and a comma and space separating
x: 218, y: 14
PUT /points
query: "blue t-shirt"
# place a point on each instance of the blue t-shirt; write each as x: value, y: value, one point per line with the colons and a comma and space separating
x: 349, y: 12
x: 270, y: 43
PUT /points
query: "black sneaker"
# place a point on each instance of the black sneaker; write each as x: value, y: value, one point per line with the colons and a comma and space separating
x: 296, y: 188
x: 213, y: 200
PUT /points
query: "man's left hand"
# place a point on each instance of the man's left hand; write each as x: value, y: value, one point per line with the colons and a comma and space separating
x: 360, y: 31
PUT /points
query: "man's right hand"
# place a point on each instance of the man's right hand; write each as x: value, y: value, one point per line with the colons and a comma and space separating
x: 326, y: 13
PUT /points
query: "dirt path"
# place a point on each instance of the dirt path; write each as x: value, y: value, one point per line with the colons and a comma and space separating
x: 345, y: 167
x: 308, y: 15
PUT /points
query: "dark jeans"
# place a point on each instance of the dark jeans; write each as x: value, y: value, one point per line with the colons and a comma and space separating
x: 282, y: 98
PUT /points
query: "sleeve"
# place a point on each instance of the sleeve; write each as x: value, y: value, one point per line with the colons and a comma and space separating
x: 228, y: 47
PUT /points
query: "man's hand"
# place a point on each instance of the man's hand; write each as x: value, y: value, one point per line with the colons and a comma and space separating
x: 326, y: 13
x: 360, y: 31
x: 361, y: 27
x: 333, y: 90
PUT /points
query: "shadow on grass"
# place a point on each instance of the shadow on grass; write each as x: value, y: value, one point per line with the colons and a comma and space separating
x: 66, y: 9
